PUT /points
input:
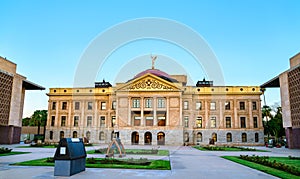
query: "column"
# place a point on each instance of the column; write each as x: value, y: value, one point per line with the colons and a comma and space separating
x: 154, y: 111
x: 142, y: 111
x: 250, y: 120
x: 69, y: 123
x: 168, y: 111
x: 236, y: 120
x: 206, y: 114
x: 95, y: 122
x: 129, y: 112
x: 221, y: 117
x: 180, y: 110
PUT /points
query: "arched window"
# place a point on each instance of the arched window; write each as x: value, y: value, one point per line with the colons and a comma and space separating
x: 256, y: 137
x: 199, y: 137
x: 75, y: 134
x: 229, y: 137
x: 186, y: 137
x: 244, y: 137
x: 51, y: 135
x: 214, y: 137
x: 61, y: 134
x: 101, y: 135
x: 88, y: 135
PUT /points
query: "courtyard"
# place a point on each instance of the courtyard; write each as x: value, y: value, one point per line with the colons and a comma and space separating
x: 185, y: 161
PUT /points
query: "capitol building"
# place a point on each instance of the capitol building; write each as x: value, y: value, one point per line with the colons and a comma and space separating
x: 156, y: 108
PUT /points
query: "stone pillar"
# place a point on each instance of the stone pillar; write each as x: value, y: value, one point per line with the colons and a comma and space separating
x: 236, y: 119
x: 129, y: 112
x: 142, y: 112
x: 206, y: 115
x: 221, y: 117
x: 168, y: 112
x: 250, y: 121
x: 154, y: 111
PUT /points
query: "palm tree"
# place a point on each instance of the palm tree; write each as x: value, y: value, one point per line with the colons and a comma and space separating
x: 39, y: 118
x: 266, y: 114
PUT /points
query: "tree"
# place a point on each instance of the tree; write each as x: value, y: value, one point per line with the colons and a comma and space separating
x: 276, y: 126
x: 25, y: 121
x: 39, y: 118
x: 266, y: 114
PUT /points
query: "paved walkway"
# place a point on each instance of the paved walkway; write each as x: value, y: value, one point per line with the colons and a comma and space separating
x: 186, y: 162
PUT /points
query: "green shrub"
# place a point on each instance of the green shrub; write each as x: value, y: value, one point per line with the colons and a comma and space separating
x: 50, y: 160
x: 264, y: 160
x: 5, y: 150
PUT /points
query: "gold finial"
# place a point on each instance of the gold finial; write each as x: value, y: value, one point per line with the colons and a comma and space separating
x: 153, y: 60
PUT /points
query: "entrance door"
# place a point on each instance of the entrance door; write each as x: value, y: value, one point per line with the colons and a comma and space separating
x: 161, y: 138
x: 135, y: 138
x: 148, y: 138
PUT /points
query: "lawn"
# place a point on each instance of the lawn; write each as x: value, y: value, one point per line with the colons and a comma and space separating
x: 13, y: 153
x: 269, y: 170
x: 112, y: 163
x: 138, y: 152
x: 226, y: 148
x: 46, y: 146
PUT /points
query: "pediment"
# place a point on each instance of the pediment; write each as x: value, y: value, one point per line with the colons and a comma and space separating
x: 149, y: 82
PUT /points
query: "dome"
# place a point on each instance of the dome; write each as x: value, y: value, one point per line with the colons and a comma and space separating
x: 157, y: 73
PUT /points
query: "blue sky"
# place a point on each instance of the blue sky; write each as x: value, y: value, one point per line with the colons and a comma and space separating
x: 252, y: 40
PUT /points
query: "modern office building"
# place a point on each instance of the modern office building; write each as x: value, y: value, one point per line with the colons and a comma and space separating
x: 289, y: 83
x: 155, y: 108
x: 12, y: 94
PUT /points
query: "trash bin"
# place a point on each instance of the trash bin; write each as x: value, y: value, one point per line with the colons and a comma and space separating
x: 69, y: 157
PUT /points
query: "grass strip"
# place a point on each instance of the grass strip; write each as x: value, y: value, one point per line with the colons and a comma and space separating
x: 155, y: 164
x: 14, y: 153
x: 229, y: 149
x: 138, y: 152
x: 266, y: 169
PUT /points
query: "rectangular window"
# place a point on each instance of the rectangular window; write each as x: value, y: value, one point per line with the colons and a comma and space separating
x: 161, y: 121
x: 243, y: 122
x: 102, y: 121
x: 228, y: 122
x: 149, y: 121
x: 148, y: 103
x: 213, y: 106
x: 185, y: 105
x: 63, y: 121
x: 186, y: 121
x: 199, y: 122
x: 242, y: 105
x: 137, y: 121
x: 90, y: 106
x: 254, y: 107
x: 198, y: 105
x: 76, y: 120
x: 255, y: 125
x: 52, y: 120
x: 64, y: 106
x: 213, y: 121
x: 89, y: 121
x: 136, y: 103
x: 103, y: 105
x: 53, y: 105
x: 114, y: 105
x: 227, y: 105
x: 77, y: 105
x: 113, y: 121
x: 161, y: 103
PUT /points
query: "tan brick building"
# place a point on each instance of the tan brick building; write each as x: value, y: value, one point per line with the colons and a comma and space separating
x: 12, y: 93
x: 289, y: 83
x: 155, y: 108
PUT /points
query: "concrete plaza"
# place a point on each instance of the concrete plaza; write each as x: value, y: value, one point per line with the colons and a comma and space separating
x: 186, y: 162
